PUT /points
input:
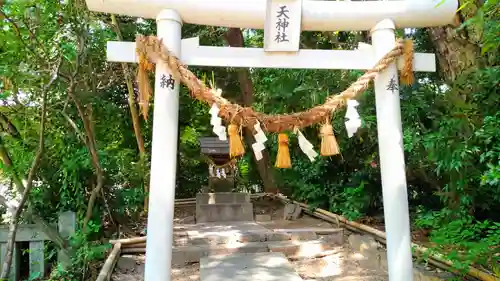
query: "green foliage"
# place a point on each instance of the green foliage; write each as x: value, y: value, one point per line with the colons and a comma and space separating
x: 487, y: 19
x: 451, y: 131
x: 85, y: 257
x: 465, y: 241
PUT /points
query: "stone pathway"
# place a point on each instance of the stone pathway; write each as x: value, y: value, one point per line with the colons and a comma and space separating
x: 221, y: 251
x: 248, y: 267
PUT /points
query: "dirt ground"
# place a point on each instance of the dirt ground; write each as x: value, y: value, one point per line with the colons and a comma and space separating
x: 341, y: 266
x: 131, y: 268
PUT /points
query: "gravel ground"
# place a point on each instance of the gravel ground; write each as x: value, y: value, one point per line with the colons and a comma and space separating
x: 342, y: 266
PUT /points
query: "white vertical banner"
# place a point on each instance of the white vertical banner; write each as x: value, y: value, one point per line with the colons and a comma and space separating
x: 283, y: 25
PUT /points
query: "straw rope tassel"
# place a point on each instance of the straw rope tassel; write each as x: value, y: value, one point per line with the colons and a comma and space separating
x: 407, y: 71
x: 283, y: 159
x: 145, y: 90
x: 329, y: 145
x: 235, y: 144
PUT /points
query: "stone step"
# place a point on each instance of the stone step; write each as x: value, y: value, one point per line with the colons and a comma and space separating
x: 263, y: 235
x: 239, y: 237
x: 222, y: 197
x: 224, y: 212
x: 248, y: 267
x: 293, y: 249
x: 318, y: 230
x: 191, y: 254
x: 300, y: 249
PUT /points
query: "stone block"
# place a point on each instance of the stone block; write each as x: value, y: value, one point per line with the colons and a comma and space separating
x: 318, y: 230
x: 221, y: 184
x: 213, y: 240
x: 368, y: 263
x: 334, y: 238
x: 224, y: 212
x: 126, y: 263
x: 298, y: 249
x: 187, y: 220
x: 205, y: 189
x: 67, y: 226
x: 37, y: 259
x: 287, y: 249
x: 198, y: 241
x: 16, y: 260
x: 222, y: 197
x: 362, y: 243
x: 181, y: 241
x: 303, y: 236
x: 277, y: 236
x: 292, y: 211
x: 187, y: 254
x: 25, y: 233
x: 246, y: 237
x: 250, y: 248
x: 262, y: 218
x: 190, y: 254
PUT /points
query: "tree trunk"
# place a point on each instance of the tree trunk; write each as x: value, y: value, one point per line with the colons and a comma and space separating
x: 133, y: 111
x: 458, y: 50
x: 234, y: 38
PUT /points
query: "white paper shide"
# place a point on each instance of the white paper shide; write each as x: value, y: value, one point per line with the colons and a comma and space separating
x: 354, y: 121
x: 306, y: 146
x: 216, y: 122
x: 260, y: 139
x: 215, y: 171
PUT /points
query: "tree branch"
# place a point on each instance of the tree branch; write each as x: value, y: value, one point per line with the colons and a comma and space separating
x: 18, y: 32
x: 73, y: 125
x: 91, y: 146
x: 89, y: 140
x: 8, y: 163
x: 8, y: 127
x: 29, y: 184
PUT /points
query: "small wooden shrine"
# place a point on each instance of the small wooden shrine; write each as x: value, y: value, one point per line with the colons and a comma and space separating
x: 221, y: 168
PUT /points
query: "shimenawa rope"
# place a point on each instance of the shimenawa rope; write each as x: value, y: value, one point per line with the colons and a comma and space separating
x: 150, y: 48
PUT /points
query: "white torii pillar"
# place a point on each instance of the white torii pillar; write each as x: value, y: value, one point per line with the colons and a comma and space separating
x: 379, y: 17
x: 163, y: 155
x: 392, y: 161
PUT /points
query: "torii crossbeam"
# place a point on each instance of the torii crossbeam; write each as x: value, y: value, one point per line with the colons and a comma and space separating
x: 381, y: 17
x: 195, y: 55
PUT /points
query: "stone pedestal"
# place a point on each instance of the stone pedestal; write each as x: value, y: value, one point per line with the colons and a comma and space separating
x: 223, y: 207
x: 216, y: 184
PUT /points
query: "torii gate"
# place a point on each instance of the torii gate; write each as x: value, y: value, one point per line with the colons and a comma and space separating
x: 381, y: 17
